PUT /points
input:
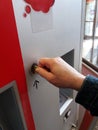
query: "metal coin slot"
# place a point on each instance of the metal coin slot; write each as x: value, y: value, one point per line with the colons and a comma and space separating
x: 33, y: 68
x: 68, y: 113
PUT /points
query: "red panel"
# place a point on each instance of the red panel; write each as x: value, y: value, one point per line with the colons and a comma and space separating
x: 86, y: 121
x: 11, y: 64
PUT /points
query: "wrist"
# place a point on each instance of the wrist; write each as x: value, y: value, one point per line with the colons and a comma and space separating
x: 78, y: 82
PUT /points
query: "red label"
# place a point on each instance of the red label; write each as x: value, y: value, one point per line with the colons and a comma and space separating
x: 40, y: 5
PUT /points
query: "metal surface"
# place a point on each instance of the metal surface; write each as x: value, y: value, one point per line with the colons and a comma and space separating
x: 49, y: 35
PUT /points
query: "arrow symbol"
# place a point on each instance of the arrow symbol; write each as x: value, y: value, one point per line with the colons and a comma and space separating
x: 36, y: 82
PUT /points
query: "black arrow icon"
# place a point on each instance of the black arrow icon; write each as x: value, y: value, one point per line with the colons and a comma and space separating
x: 36, y: 82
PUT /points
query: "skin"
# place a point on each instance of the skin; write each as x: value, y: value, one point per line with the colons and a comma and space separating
x: 59, y: 73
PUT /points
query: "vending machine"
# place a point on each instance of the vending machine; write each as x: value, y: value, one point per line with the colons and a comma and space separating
x: 30, y: 30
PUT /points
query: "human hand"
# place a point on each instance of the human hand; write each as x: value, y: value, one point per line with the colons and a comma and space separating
x: 59, y: 73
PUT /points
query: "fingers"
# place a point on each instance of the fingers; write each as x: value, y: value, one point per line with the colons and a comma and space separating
x: 44, y: 73
x: 44, y: 62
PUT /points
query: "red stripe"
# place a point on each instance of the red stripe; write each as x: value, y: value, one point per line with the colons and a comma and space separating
x: 11, y: 64
x: 86, y: 121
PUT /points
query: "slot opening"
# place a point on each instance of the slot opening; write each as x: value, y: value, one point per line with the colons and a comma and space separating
x: 66, y: 94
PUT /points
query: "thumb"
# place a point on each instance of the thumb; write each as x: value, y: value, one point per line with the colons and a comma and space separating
x: 44, y: 73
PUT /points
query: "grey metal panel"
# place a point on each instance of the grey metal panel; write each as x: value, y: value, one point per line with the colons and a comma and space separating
x: 11, y: 113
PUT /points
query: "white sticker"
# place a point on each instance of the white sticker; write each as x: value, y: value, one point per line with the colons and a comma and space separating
x: 41, y: 21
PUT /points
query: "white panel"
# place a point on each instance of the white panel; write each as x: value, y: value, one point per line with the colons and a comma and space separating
x: 45, y: 24
x: 39, y: 39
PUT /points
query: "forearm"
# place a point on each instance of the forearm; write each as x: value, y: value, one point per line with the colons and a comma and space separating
x: 61, y: 74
